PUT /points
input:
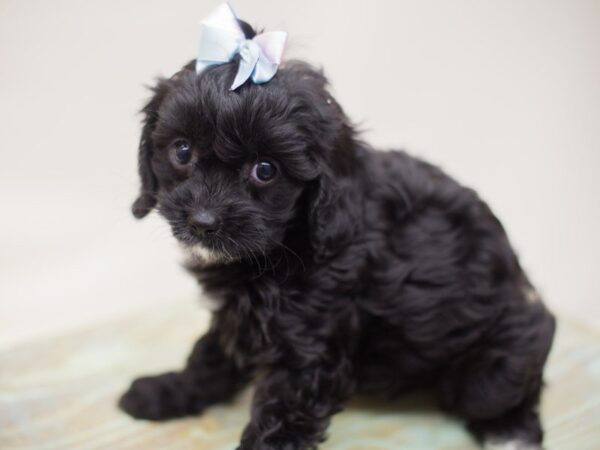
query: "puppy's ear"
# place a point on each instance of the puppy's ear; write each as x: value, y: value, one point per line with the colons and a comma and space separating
x: 147, y: 198
x: 333, y: 215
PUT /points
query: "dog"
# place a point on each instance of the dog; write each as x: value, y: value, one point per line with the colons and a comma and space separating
x: 334, y: 268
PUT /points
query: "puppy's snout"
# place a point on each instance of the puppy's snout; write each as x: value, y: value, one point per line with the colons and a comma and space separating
x: 203, y: 222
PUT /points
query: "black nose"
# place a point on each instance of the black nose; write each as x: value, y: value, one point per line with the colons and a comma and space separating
x: 203, y: 222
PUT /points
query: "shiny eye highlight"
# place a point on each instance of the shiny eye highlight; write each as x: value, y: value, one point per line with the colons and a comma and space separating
x: 263, y: 171
x: 182, y: 151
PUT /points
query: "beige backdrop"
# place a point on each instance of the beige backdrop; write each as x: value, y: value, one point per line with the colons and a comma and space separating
x: 503, y: 94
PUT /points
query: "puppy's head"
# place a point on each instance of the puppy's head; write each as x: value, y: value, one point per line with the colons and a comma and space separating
x: 229, y: 169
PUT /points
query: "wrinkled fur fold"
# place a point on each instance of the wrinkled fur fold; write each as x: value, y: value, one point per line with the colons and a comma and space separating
x: 355, y: 270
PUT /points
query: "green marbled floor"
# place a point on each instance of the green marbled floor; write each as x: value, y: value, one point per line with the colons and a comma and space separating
x: 61, y: 394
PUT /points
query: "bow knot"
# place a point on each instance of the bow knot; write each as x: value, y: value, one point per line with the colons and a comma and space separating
x: 222, y: 38
x: 249, y: 50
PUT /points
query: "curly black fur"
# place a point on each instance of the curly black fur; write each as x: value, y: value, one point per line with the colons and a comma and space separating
x: 354, y: 270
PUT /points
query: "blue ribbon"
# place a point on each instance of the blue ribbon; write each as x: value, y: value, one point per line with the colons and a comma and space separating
x: 222, y: 38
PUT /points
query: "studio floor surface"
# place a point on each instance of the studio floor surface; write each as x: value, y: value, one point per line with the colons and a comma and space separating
x: 61, y: 394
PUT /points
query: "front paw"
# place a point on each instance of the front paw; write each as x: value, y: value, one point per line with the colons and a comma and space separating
x: 159, y: 398
x: 273, y: 441
x: 272, y: 446
x: 269, y: 446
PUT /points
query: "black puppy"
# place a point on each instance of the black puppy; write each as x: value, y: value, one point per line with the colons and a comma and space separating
x: 335, y: 268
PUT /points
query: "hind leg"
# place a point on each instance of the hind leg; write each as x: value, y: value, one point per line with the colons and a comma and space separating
x: 517, y: 429
x: 496, y: 386
x: 500, y: 410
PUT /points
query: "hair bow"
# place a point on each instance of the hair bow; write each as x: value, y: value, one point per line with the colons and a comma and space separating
x: 222, y: 38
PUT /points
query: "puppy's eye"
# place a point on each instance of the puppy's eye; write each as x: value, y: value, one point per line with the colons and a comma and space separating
x: 263, y: 171
x: 183, y: 151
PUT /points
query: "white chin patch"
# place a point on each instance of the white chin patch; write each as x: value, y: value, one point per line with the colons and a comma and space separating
x: 494, y: 444
x: 198, y: 253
